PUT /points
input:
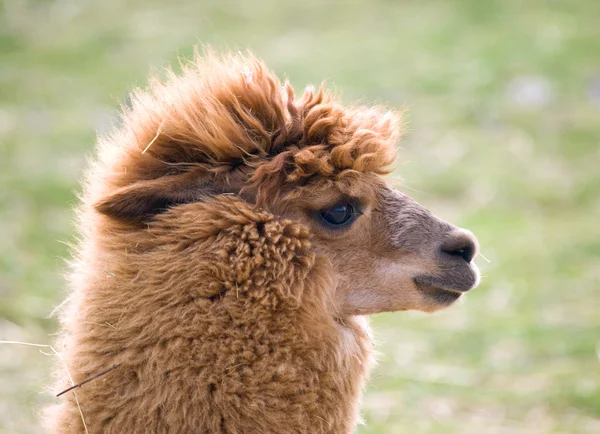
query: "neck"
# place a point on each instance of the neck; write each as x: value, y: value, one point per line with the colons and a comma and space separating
x: 209, y: 335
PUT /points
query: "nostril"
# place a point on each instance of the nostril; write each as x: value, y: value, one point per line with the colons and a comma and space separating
x: 461, y: 245
x: 466, y: 253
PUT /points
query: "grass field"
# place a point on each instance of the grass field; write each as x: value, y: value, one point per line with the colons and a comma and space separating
x: 503, y: 137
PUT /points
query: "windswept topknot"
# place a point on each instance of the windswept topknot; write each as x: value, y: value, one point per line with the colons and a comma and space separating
x: 231, y: 114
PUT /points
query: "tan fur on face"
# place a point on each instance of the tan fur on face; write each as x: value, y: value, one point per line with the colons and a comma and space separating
x: 205, y: 273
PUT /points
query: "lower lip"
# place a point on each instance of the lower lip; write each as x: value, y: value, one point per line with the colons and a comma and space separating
x: 428, y: 282
x: 440, y: 295
x: 443, y: 296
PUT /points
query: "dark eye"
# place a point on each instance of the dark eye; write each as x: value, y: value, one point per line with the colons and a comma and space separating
x: 339, y: 215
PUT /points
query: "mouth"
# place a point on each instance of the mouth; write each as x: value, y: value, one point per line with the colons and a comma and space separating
x: 441, y: 296
x: 445, y: 291
x: 460, y: 282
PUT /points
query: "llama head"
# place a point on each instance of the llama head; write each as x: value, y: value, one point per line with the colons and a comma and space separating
x: 228, y: 126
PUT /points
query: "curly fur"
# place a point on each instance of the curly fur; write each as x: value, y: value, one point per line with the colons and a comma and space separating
x: 199, y: 278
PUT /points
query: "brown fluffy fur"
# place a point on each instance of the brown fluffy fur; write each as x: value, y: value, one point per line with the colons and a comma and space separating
x: 203, y: 274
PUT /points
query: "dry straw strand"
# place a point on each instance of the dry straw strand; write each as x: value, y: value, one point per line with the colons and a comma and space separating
x: 57, y: 354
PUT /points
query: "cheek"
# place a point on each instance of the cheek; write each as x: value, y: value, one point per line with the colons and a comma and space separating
x: 359, y: 253
x: 374, y: 284
x: 383, y: 288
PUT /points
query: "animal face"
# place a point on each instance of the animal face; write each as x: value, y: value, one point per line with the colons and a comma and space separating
x: 389, y: 253
x: 237, y: 130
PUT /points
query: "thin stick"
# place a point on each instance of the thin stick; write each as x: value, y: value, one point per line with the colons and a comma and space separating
x: 66, y: 369
x: 158, y: 130
x: 87, y: 380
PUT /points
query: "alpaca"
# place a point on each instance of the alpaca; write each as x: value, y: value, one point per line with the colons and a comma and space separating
x: 232, y: 239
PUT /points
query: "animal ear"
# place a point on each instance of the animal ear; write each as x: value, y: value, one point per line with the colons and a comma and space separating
x: 144, y: 198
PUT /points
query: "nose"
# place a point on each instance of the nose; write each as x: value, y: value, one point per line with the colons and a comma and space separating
x: 460, y: 243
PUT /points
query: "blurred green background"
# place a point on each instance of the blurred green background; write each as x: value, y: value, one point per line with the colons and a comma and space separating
x: 503, y: 137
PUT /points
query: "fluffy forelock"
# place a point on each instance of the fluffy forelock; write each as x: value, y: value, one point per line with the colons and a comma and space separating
x: 231, y: 112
